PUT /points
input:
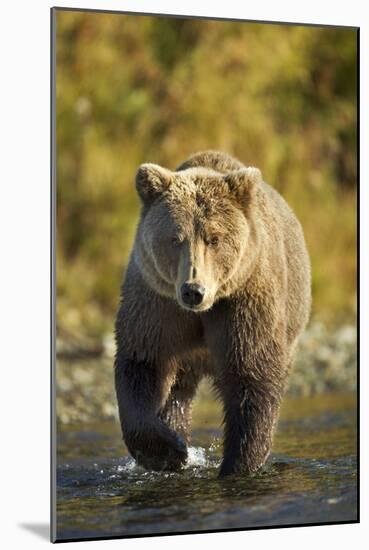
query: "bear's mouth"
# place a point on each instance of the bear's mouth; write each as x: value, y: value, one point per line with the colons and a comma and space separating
x: 195, y: 309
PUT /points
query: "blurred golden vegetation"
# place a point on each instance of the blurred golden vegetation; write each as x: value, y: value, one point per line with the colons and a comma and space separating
x: 133, y: 89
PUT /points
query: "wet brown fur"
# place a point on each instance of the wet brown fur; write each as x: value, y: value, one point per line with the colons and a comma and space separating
x: 243, y: 335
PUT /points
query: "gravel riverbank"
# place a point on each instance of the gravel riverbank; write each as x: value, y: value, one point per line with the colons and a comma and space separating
x: 326, y: 362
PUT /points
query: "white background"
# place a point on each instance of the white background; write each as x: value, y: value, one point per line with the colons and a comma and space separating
x: 25, y: 276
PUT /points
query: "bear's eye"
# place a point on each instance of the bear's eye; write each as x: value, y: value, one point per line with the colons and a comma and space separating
x: 213, y: 241
x: 176, y: 241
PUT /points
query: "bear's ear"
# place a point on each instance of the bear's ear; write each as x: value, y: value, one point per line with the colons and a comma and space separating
x: 151, y: 181
x: 243, y: 184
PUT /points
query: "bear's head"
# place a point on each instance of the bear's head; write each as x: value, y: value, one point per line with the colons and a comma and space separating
x: 196, y: 235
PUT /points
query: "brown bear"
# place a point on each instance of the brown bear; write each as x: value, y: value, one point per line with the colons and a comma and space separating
x: 218, y: 284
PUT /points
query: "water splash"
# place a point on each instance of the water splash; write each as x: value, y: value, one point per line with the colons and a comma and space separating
x: 196, y: 457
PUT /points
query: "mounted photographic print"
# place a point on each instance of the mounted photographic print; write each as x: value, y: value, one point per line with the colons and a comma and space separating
x: 204, y: 369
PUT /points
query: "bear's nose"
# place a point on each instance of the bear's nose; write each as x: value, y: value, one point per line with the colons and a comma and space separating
x: 192, y: 294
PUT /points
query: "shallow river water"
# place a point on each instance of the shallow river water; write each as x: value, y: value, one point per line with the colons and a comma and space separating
x: 310, y: 477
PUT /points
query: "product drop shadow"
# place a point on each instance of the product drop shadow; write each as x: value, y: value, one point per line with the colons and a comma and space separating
x: 42, y: 530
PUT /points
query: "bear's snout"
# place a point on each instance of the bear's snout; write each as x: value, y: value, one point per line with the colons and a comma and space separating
x: 192, y: 294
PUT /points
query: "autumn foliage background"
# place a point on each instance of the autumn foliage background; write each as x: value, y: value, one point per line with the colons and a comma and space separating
x: 133, y: 89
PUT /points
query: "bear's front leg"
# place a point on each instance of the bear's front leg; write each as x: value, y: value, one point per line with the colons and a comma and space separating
x: 140, y: 388
x: 251, y: 407
x: 147, y: 339
x: 251, y: 370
